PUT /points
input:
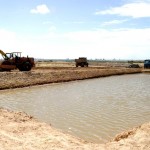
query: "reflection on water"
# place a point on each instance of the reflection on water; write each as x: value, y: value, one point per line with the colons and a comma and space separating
x: 91, y: 109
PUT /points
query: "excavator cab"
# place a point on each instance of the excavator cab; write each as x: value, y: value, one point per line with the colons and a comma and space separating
x: 13, y: 55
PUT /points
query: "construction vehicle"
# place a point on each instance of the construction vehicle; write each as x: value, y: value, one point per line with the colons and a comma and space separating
x: 133, y: 66
x: 147, y: 63
x: 14, y: 60
x: 82, y: 61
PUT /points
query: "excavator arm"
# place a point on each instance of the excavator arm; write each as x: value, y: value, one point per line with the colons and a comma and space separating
x: 3, y: 54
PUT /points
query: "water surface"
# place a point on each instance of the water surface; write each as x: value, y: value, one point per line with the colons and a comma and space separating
x: 95, y: 110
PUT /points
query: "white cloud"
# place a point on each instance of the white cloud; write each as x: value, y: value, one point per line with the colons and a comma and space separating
x: 119, y: 44
x: 74, y: 22
x: 107, y: 44
x: 48, y: 22
x: 52, y: 28
x: 135, y: 10
x: 8, y: 40
x: 113, y: 22
x: 40, y: 9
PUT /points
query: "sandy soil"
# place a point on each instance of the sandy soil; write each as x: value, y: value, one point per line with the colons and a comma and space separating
x: 44, y: 75
x: 19, y: 131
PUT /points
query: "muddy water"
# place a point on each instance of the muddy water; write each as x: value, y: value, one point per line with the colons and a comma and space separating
x: 94, y: 110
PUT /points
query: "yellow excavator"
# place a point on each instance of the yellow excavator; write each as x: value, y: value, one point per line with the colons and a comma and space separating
x: 3, y: 54
x: 14, y: 60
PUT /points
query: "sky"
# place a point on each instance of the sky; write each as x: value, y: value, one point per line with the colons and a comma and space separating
x: 68, y: 29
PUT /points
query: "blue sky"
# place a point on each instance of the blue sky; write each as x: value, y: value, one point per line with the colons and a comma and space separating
x: 98, y: 29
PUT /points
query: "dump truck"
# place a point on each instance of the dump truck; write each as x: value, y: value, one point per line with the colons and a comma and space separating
x: 81, y: 61
x: 14, y: 60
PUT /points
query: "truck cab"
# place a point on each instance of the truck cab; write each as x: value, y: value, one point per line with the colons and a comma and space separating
x: 147, y: 63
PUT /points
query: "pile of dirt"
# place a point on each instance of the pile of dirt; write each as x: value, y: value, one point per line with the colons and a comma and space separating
x: 19, y: 131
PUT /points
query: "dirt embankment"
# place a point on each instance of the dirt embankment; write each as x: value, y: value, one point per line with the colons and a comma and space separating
x: 37, y: 76
x: 19, y: 131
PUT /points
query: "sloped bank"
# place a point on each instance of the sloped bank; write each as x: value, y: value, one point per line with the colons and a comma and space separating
x: 16, y: 79
x: 19, y: 131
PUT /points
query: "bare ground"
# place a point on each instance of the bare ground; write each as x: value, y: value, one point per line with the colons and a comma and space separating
x: 19, y: 131
x: 45, y: 75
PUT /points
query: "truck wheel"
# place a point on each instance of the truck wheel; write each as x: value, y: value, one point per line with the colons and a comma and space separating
x: 25, y: 67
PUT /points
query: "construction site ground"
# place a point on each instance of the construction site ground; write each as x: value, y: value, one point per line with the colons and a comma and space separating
x: 19, y: 131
